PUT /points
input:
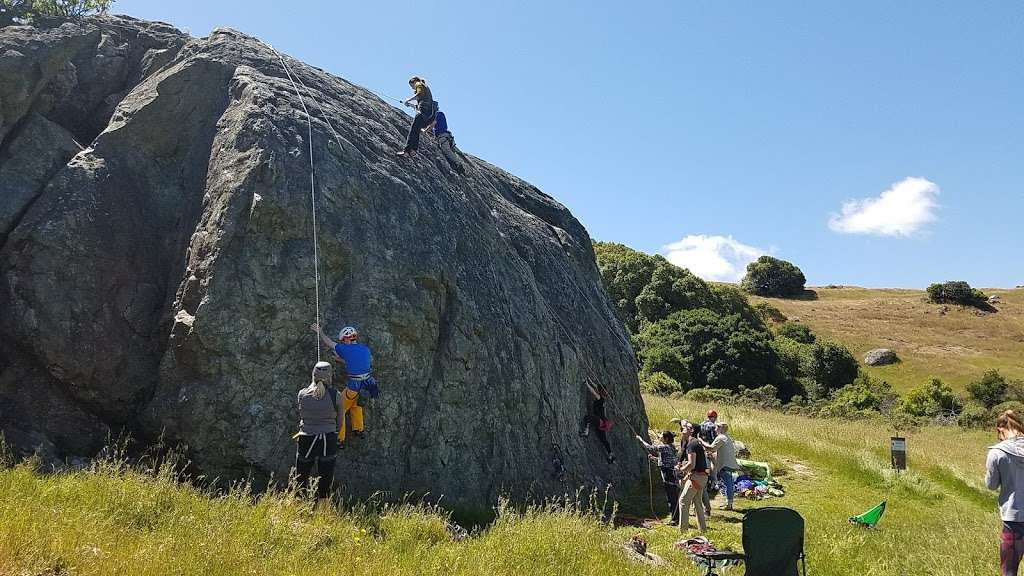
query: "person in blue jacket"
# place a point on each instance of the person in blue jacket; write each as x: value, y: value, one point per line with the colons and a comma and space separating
x: 446, y: 141
x: 358, y: 365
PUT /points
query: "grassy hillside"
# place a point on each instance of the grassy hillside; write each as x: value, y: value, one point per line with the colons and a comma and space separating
x: 110, y: 521
x: 956, y: 346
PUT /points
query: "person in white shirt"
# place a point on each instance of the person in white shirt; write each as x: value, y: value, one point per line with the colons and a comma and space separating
x: 723, y: 450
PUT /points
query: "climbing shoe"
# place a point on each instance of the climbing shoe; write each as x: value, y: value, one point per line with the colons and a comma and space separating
x: 584, y: 431
x: 611, y: 458
x: 407, y: 153
x: 341, y: 445
x: 358, y: 433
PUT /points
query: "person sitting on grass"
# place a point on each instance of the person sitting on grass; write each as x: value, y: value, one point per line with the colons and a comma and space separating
x: 693, y: 472
x: 666, y: 457
x: 1004, y: 471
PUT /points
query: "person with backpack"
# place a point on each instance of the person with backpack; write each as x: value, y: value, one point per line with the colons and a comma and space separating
x: 360, y: 382
x: 598, y: 419
x: 693, y: 473
x: 319, y: 421
x: 1004, y: 471
x: 426, y: 109
x: 446, y: 141
x: 707, y: 430
x: 666, y: 457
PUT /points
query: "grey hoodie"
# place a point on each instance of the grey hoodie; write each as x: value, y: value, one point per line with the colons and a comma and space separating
x: 1005, y: 472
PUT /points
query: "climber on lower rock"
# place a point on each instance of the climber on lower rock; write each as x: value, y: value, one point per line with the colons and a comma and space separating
x: 598, y: 419
x: 358, y: 365
x: 426, y: 109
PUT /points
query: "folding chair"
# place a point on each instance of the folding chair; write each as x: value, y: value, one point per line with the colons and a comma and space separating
x: 773, y: 543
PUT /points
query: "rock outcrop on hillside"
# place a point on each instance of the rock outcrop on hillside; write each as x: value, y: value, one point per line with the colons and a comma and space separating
x: 157, y: 265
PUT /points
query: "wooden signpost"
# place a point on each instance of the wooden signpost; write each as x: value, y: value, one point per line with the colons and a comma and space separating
x: 898, y: 449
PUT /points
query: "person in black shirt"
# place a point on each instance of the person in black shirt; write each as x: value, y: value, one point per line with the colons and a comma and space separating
x: 693, y: 472
x: 598, y: 419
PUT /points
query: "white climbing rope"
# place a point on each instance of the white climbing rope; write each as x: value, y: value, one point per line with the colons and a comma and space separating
x: 312, y: 189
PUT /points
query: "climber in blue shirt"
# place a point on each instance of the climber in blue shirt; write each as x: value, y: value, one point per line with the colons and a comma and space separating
x: 446, y: 141
x: 358, y: 365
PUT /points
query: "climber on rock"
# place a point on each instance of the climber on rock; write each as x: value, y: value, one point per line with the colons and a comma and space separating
x: 446, y: 141
x: 426, y: 109
x: 598, y: 419
x: 319, y: 421
x: 360, y: 381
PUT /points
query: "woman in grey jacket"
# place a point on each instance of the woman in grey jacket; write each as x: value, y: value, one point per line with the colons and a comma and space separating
x: 1005, y: 472
x: 319, y: 420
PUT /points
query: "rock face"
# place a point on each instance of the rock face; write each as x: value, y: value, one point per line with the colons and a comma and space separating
x: 880, y: 357
x: 158, y: 273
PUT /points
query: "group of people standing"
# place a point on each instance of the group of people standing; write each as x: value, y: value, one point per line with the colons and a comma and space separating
x: 705, y: 452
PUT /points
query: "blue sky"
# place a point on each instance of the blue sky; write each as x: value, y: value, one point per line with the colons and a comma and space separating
x: 715, y: 131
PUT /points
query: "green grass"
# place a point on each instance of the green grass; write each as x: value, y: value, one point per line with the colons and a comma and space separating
x: 110, y: 520
x: 956, y: 346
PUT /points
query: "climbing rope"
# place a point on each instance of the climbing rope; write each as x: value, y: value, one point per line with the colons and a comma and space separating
x: 312, y: 189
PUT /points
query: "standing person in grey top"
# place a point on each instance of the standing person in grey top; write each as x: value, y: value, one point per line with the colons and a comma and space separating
x: 426, y: 109
x: 1004, y: 471
x: 319, y: 419
x: 666, y: 457
x: 723, y: 451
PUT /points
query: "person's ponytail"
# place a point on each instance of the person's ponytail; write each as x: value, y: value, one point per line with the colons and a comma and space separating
x: 1010, y: 420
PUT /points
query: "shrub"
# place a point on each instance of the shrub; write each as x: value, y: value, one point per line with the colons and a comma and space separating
x: 799, y: 332
x: 989, y: 390
x: 766, y: 396
x: 24, y: 11
x: 1015, y: 405
x: 974, y: 416
x: 768, y: 276
x: 933, y: 399
x: 828, y: 366
x: 769, y: 313
x: 956, y: 292
x: 699, y: 348
x: 660, y: 383
x: 863, y: 396
x: 710, y: 396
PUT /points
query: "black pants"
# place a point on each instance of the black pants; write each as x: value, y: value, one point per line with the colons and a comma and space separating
x: 594, y: 422
x: 322, y: 451
x: 424, y: 116
x: 668, y: 479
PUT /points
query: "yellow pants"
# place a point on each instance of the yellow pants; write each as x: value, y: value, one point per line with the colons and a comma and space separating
x: 349, y: 403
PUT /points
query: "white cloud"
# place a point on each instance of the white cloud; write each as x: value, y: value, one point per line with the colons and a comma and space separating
x: 899, y: 211
x: 719, y: 258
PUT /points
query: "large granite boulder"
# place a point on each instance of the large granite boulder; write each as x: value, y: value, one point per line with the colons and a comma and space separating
x: 158, y: 273
x: 880, y: 357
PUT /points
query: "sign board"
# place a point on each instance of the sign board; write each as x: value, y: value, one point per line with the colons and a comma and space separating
x: 898, y: 449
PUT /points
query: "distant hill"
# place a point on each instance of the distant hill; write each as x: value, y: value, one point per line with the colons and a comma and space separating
x: 949, y: 342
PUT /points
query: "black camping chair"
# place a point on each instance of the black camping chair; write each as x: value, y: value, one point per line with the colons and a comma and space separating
x: 773, y: 543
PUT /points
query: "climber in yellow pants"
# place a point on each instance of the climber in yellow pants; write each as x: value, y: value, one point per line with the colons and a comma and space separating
x: 350, y: 409
x: 358, y: 362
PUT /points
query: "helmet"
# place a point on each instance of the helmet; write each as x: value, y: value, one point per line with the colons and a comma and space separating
x: 347, y: 332
x: 712, y: 414
x: 322, y: 372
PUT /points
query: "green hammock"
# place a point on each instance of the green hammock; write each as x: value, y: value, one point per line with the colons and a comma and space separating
x: 869, y: 518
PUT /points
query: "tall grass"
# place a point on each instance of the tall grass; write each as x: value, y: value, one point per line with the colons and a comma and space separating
x: 116, y: 519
